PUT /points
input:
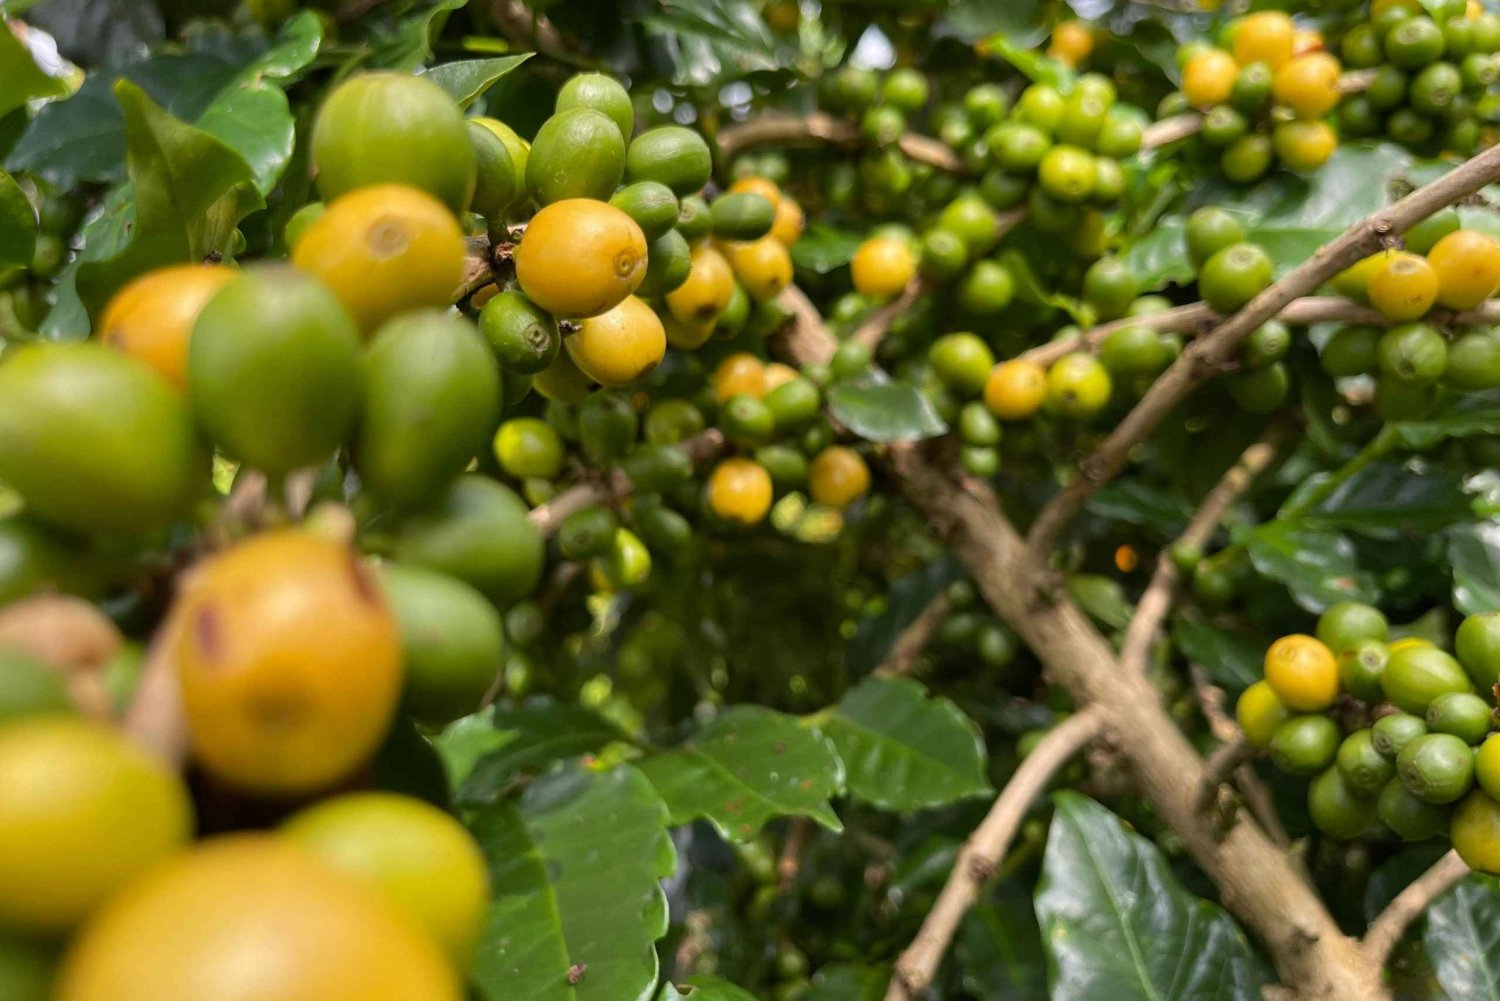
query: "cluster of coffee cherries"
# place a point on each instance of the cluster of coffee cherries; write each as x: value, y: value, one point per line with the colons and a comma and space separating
x: 1265, y: 96
x: 1391, y: 731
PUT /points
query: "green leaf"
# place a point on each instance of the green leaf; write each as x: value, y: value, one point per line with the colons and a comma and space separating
x: 1233, y: 661
x: 904, y: 750
x: 251, y: 114
x: 1029, y: 288
x: 1117, y: 926
x: 190, y: 191
x: 1318, y: 567
x: 874, y: 634
x: 1388, y: 499
x: 999, y: 946
x: 705, y: 988
x: 17, y: 223
x: 577, y: 907
x: 824, y: 248
x: 531, y: 737
x: 1136, y: 503
x: 1471, y: 414
x: 21, y: 80
x: 1102, y: 598
x: 404, y: 40
x: 708, y: 43
x: 1159, y: 258
x: 745, y: 768
x: 1463, y: 940
x: 848, y: 982
x: 884, y: 411
x: 1033, y: 63
x: 1474, y: 554
x: 468, y: 79
x: 1021, y: 21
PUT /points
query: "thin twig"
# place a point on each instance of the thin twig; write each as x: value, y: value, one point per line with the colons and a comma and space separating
x: 912, y: 640
x: 1221, y: 764
x: 614, y: 486
x: 813, y: 129
x: 982, y: 852
x: 524, y: 26
x: 789, y: 863
x: 1207, y: 356
x: 1225, y: 729
x: 871, y: 332
x: 1388, y: 927
x: 1156, y: 600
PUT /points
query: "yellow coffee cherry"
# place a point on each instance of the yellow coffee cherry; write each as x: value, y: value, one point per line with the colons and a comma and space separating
x: 740, y: 374
x: 1303, y: 673
x: 707, y: 291
x: 1467, y: 264
x: 882, y: 267
x: 763, y: 266
x: 740, y: 491
x: 1404, y: 287
x: 580, y: 257
x: 620, y: 346
x: 838, y: 476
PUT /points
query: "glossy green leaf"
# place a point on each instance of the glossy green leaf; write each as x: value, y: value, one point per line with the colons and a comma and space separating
x: 17, y: 224
x: 824, y: 248
x: 530, y: 737
x: 747, y: 767
x: 1474, y: 554
x: 848, y: 982
x: 999, y: 946
x: 190, y: 191
x: 1232, y: 660
x: 403, y: 39
x: 251, y: 114
x: 1318, y: 567
x: 711, y: 42
x: 1117, y: 926
x: 1387, y: 499
x: 1463, y: 939
x: 21, y: 80
x: 903, y: 749
x: 468, y: 79
x: 577, y: 907
x: 884, y: 411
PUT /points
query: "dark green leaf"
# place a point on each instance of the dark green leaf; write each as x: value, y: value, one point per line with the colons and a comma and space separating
x: 1136, y: 503
x: 904, y: 750
x: 100, y: 32
x: 1386, y: 499
x: 884, y: 411
x: 532, y: 736
x: 1159, y: 258
x: 21, y: 80
x: 848, y: 982
x: 1029, y: 288
x: 104, y: 235
x: 1318, y: 567
x: 1117, y: 926
x: 1471, y: 414
x: 745, y: 768
x: 1019, y: 21
x: 999, y: 946
x: 190, y: 192
x: 824, y: 248
x: 1233, y: 661
x: 17, y: 224
x: 404, y: 39
x: 1474, y: 554
x: 1463, y: 939
x: 874, y: 634
x: 468, y: 79
x: 575, y: 866
x: 708, y: 43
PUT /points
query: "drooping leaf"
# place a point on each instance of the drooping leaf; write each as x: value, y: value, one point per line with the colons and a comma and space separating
x: 403, y: 39
x: 824, y: 248
x: 1474, y: 554
x: 1318, y: 567
x: 848, y: 982
x: 1231, y: 660
x: 999, y: 946
x: 884, y: 411
x: 1471, y: 414
x: 577, y: 907
x: 21, y: 79
x: 1463, y: 939
x: 468, y: 79
x: 874, y: 634
x: 189, y: 191
x: 709, y: 43
x: 1117, y: 926
x: 17, y: 224
x: 745, y: 768
x: 531, y: 737
x: 905, y: 750
x: 251, y: 114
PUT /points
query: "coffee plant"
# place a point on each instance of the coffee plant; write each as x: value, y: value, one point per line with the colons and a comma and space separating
x: 749, y: 500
